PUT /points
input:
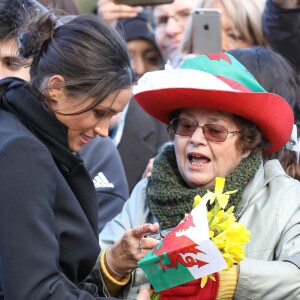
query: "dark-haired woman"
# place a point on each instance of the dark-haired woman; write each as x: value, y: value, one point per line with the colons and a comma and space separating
x: 81, y: 76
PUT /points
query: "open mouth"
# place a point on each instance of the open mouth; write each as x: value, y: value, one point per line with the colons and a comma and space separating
x: 198, y: 160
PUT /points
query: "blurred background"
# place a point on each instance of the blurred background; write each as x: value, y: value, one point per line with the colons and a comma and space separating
x: 86, y: 6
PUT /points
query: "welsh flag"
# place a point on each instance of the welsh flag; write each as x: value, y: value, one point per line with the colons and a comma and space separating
x: 185, y: 254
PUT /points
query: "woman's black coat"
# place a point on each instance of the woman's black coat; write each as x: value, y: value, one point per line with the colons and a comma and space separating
x: 48, y: 208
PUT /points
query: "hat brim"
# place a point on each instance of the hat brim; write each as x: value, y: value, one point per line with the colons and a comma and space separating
x: 268, y: 111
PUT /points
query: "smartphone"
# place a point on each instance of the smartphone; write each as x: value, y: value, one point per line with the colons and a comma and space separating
x: 206, y: 31
x: 144, y: 2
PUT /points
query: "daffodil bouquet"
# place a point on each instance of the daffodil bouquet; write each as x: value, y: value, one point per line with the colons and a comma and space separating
x: 227, y: 234
x: 203, y: 243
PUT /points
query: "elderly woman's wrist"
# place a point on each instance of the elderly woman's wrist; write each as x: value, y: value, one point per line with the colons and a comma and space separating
x: 112, y: 284
x: 110, y: 265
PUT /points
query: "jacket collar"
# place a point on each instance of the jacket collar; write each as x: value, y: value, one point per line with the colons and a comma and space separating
x: 265, y: 173
x: 28, y: 105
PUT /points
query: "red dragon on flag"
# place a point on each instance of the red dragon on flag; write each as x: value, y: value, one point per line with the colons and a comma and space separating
x: 187, y: 246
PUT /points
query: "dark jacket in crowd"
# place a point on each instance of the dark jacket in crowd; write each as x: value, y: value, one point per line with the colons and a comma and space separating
x: 282, y: 30
x: 103, y: 162
x: 48, y: 207
x: 142, y: 135
x: 141, y: 139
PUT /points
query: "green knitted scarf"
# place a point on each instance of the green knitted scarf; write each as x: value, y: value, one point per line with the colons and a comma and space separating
x: 170, y: 198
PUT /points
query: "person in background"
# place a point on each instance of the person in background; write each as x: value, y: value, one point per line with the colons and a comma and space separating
x: 136, y: 134
x: 240, y: 24
x: 281, y: 28
x: 276, y: 75
x: 103, y: 166
x: 11, y: 64
x: 48, y: 206
x: 110, y: 11
x: 170, y: 21
x: 138, y: 33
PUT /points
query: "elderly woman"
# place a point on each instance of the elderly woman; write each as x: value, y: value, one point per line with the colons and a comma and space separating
x: 222, y: 122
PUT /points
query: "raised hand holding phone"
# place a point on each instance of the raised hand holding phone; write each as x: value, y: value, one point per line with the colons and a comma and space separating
x: 111, y: 11
x: 206, y: 31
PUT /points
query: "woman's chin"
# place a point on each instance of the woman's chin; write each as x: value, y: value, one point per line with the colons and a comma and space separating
x: 203, y: 183
x: 75, y: 148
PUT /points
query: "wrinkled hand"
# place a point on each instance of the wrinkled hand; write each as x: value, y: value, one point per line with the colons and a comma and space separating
x: 125, y: 253
x: 287, y: 3
x: 110, y: 11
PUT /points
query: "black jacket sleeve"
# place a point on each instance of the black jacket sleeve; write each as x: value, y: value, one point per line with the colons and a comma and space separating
x: 29, y: 248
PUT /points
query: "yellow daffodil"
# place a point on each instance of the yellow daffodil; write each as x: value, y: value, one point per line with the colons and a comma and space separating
x: 228, y: 235
x: 221, y: 197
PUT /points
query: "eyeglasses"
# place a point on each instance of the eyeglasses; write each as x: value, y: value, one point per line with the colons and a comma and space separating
x: 212, y: 132
x: 180, y: 17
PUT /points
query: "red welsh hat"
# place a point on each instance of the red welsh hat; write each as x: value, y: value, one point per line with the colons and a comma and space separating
x: 216, y: 81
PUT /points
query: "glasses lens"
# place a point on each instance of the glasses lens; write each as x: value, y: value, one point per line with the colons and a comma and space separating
x: 183, y: 126
x: 186, y: 127
x: 181, y: 18
x: 214, y: 132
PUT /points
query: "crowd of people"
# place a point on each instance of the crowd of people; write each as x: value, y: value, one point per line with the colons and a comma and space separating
x: 110, y: 126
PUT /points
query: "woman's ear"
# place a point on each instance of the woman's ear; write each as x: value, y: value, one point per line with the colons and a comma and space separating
x: 246, y: 153
x: 55, y: 87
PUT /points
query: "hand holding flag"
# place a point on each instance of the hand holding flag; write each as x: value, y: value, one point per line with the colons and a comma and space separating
x: 202, y: 244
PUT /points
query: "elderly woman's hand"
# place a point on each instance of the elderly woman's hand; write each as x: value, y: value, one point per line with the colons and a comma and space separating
x: 110, y: 11
x: 123, y: 256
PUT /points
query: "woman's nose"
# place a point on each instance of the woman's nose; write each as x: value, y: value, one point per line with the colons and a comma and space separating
x: 173, y: 27
x: 139, y: 66
x: 198, y: 137
x: 101, y: 131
